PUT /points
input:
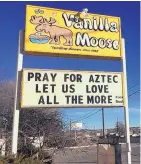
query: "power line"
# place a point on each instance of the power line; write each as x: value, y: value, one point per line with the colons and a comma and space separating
x: 90, y: 115
x: 101, y: 109
x: 133, y: 86
x: 133, y: 93
x: 85, y: 115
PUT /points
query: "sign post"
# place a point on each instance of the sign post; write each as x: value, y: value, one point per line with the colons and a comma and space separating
x: 126, y: 109
x: 103, y: 122
x: 75, y: 126
x: 17, y: 95
x: 57, y: 33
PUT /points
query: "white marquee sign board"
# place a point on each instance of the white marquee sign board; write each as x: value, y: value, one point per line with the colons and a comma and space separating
x: 76, y: 125
x: 61, y: 88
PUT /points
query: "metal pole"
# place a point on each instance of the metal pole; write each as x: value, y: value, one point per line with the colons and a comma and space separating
x: 126, y: 109
x: 103, y: 122
x: 17, y: 95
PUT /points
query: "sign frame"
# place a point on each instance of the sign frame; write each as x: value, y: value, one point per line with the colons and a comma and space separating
x: 71, y: 55
x: 17, y: 108
x: 70, y: 106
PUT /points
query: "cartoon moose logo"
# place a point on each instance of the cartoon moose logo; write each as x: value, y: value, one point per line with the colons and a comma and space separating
x: 55, y: 32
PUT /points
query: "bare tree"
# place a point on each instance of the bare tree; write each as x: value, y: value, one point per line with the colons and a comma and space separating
x: 42, y: 122
x: 33, y: 122
x: 120, y: 128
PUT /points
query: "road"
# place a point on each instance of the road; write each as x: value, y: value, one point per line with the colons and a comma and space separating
x: 135, y: 154
x: 88, y: 155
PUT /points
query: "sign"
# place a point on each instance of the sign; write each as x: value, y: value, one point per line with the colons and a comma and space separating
x: 76, y: 125
x: 53, y: 88
x: 64, y: 33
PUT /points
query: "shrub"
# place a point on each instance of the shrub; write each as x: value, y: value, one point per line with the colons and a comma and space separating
x: 19, y: 160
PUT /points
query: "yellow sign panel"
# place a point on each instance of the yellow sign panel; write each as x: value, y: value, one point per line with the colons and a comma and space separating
x: 57, y: 32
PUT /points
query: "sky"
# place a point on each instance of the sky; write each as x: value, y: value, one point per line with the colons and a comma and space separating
x: 12, y: 16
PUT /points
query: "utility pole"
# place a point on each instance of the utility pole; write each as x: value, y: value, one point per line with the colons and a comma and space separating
x: 75, y: 135
x: 117, y: 126
x: 103, y: 122
x: 70, y: 129
x: 94, y: 128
